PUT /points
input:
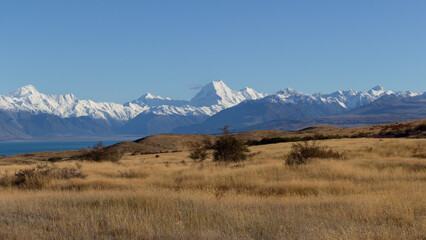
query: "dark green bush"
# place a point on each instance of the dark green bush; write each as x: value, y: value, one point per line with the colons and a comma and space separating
x: 228, y: 148
x: 301, y: 153
x: 54, y: 159
x: 110, y: 154
x: 421, y: 127
x: 265, y: 141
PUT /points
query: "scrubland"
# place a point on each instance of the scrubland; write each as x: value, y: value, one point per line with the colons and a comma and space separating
x: 376, y: 191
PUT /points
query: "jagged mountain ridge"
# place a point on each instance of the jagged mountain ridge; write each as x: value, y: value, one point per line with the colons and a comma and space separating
x: 152, y: 114
x: 211, y: 99
x: 217, y: 98
x: 28, y: 99
x: 289, y: 104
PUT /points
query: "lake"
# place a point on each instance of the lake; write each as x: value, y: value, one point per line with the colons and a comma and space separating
x: 12, y: 148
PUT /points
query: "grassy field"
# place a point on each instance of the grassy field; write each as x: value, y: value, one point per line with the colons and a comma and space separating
x: 377, y: 191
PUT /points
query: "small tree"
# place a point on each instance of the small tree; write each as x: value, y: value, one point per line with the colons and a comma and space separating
x: 98, y: 145
x: 228, y: 148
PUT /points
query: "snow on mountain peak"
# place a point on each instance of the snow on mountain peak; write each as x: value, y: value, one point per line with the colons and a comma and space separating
x: 378, y: 91
x: 288, y: 92
x: 348, y: 99
x: 378, y: 88
x: 251, y: 94
x: 23, y: 91
x: 148, y: 96
x: 28, y: 99
x: 218, y: 93
x: 212, y: 98
x: 213, y: 93
x: 151, y: 96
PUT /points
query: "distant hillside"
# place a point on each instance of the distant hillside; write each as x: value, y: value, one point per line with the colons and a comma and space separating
x: 180, y: 142
x: 28, y: 126
x: 173, y: 142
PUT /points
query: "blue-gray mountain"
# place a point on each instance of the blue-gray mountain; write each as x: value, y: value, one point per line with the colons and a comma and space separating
x: 29, y: 114
x: 387, y: 109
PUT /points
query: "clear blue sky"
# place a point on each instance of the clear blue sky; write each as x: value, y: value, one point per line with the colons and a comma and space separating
x: 118, y: 50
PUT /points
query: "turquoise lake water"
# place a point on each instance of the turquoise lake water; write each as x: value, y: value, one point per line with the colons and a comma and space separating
x: 12, y: 148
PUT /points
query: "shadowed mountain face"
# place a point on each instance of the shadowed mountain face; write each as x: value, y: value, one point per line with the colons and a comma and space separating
x: 27, y: 126
x: 150, y: 123
x: 263, y: 114
x: 257, y: 112
x: 29, y: 114
x: 394, y: 105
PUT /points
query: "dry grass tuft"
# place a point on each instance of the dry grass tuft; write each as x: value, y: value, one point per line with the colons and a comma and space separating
x: 131, y: 173
x: 40, y: 176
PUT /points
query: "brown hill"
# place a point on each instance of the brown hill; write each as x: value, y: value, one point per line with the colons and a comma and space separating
x: 173, y: 142
x: 181, y: 142
x: 170, y: 142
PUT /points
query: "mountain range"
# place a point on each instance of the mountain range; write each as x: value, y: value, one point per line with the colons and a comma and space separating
x: 27, y: 114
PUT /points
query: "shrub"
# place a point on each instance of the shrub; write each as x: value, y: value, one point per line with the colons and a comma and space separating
x: 301, y: 153
x: 228, y: 148
x: 421, y: 127
x: 54, y: 159
x: 40, y: 176
x: 98, y: 145
x: 264, y: 141
x: 111, y: 154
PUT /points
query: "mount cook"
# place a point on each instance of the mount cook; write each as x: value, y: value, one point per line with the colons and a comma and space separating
x: 27, y: 114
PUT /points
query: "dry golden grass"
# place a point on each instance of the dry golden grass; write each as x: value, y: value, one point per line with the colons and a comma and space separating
x: 377, y: 192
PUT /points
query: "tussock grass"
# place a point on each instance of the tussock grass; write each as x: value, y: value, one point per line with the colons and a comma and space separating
x: 302, y: 153
x: 131, y: 173
x: 40, y: 176
x: 376, y: 193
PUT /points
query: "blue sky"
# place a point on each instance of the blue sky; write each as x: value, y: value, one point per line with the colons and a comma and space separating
x: 118, y: 50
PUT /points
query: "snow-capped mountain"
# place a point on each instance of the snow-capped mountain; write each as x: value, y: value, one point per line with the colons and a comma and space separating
x: 289, y: 104
x: 154, y: 101
x: 348, y: 99
x: 147, y: 114
x: 220, y: 95
x: 215, y: 99
x: 351, y: 99
x: 165, y: 114
x: 27, y: 113
x: 211, y: 99
x: 28, y: 99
